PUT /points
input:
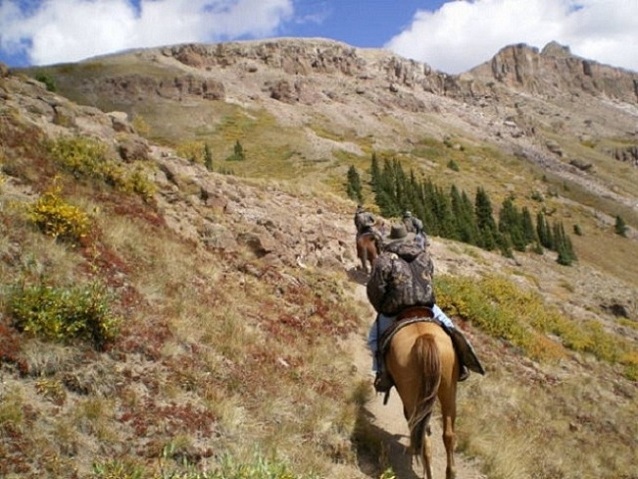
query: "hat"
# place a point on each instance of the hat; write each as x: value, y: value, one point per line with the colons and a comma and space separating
x: 407, y: 214
x: 398, y: 233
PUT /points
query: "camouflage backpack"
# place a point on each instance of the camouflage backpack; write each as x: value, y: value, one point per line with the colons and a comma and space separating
x: 401, y: 277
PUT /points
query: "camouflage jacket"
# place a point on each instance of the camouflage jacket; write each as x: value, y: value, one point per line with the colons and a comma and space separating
x: 413, y: 225
x: 401, y: 277
x: 364, y: 219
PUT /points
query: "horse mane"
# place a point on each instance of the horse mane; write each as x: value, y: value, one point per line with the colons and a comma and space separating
x: 427, y: 354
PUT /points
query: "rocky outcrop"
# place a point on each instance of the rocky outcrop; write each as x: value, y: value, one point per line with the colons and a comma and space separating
x: 627, y: 155
x: 290, y: 56
x: 309, y: 57
x: 555, y: 70
x: 137, y: 88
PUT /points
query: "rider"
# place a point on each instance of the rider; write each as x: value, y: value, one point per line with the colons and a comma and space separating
x: 388, y: 295
x: 414, y: 225
x: 363, y: 220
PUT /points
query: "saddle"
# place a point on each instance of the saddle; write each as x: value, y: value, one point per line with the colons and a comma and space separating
x: 416, y: 314
x: 366, y: 230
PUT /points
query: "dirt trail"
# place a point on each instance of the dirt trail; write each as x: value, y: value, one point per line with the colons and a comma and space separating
x: 388, y: 421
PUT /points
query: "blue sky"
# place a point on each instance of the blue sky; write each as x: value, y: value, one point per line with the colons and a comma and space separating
x: 451, y: 36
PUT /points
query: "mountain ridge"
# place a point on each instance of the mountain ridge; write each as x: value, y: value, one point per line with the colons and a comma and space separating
x: 236, y: 286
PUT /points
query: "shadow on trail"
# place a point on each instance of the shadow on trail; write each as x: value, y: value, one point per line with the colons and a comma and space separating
x: 378, y: 450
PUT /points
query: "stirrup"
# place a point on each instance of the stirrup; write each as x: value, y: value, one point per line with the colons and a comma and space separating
x: 382, y: 383
x: 464, y: 373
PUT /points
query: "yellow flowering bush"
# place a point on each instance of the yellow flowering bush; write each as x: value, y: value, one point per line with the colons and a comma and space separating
x: 503, y: 310
x: 57, y: 218
x: 63, y: 313
x: 90, y: 158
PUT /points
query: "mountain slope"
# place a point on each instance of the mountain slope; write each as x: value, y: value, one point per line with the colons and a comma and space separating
x: 235, y: 291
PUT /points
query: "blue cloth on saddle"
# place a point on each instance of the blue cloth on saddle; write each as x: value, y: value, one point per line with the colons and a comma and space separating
x: 383, y: 322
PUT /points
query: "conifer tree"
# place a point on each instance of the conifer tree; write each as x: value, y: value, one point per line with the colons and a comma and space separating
x: 620, y: 227
x: 208, y: 158
x: 543, y: 231
x: 443, y: 213
x: 375, y: 172
x: 427, y: 199
x: 485, y: 221
x: 529, y: 233
x: 562, y: 245
x: 511, y: 223
x: 353, y: 185
x: 238, y: 153
x: 466, y: 221
x: 505, y: 245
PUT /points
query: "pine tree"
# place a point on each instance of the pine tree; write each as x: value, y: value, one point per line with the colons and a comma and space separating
x: 562, y: 245
x: 208, y: 158
x: 620, y: 227
x: 375, y: 172
x: 238, y: 153
x: 529, y: 233
x: 485, y: 221
x: 511, y: 223
x: 353, y: 185
x: 543, y: 231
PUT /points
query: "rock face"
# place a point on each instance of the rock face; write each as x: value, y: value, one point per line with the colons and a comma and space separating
x: 554, y: 70
x: 138, y: 88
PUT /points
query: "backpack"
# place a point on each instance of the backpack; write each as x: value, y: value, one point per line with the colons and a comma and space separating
x: 413, y: 224
x: 401, y: 277
x: 363, y: 220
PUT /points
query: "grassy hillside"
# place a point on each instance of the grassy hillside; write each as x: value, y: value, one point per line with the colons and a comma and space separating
x: 161, y: 320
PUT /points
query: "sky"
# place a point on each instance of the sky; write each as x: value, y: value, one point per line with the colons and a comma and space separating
x: 451, y: 36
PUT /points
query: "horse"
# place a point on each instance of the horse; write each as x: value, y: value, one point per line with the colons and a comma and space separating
x: 421, y: 359
x: 367, y: 249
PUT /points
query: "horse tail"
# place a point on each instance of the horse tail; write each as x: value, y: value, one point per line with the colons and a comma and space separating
x: 427, y: 354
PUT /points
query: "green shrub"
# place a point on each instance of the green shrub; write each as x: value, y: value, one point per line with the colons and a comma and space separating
x: 90, y: 158
x: 238, y: 153
x: 229, y: 468
x: 117, y: 470
x: 63, y: 314
x: 259, y: 468
x: 453, y: 165
x: 503, y: 310
x: 57, y: 218
x: 47, y: 79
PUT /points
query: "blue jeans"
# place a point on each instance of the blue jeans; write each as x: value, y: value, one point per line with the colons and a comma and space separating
x: 383, y: 322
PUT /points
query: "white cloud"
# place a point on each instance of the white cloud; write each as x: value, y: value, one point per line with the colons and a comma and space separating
x: 463, y: 34
x: 57, y: 31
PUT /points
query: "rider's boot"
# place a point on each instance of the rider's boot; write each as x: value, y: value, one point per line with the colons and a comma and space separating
x: 383, y: 382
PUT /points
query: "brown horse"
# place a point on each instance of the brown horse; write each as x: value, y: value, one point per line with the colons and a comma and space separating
x: 423, y: 364
x: 367, y: 250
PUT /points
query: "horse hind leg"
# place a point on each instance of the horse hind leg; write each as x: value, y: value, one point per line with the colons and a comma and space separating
x: 448, y: 412
x: 427, y: 455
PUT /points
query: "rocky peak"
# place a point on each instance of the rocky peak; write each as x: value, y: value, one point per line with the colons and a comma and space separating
x: 556, y: 71
x: 555, y: 49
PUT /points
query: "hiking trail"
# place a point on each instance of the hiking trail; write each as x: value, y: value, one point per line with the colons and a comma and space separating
x: 389, y: 424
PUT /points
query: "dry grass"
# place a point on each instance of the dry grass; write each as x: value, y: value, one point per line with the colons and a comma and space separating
x: 525, y: 424
x: 224, y: 359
